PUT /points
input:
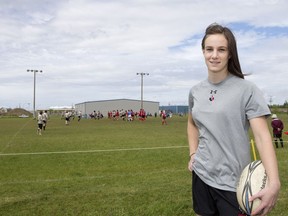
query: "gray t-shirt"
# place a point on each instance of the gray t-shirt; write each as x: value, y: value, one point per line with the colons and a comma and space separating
x: 222, y: 112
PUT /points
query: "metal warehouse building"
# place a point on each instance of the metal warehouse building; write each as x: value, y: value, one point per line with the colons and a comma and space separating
x: 104, y: 106
x: 176, y: 109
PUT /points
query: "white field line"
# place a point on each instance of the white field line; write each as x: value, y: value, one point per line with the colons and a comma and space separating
x: 91, y: 151
x: 15, y: 135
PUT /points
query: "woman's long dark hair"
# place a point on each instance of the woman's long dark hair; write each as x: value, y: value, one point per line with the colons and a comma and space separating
x: 233, y: 62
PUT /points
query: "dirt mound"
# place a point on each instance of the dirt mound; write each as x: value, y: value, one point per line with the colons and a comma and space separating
x: 18, y: 112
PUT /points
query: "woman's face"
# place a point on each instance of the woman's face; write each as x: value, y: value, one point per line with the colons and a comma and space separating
x: 216, y: 53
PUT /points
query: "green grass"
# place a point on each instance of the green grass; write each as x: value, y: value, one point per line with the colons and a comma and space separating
x: 100, y: 167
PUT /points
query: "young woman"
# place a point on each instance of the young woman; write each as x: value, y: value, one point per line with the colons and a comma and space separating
x: 222, y: 108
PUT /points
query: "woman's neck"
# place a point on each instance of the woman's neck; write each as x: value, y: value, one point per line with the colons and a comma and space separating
x: 217, y: 77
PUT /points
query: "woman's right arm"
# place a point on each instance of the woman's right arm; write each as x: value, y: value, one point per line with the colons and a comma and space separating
x: 192, y: 132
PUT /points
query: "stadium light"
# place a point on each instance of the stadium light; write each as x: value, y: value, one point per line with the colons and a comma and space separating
x: 142, y: 74
x: 34, y: 91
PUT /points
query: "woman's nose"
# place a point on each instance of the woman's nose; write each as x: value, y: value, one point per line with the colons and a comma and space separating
x: 215, y: 54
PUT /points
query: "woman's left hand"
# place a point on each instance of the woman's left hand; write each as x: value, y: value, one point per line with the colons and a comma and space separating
x: 268, y: 197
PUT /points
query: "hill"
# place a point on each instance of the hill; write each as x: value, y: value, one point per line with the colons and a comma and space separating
x: 17, y: 112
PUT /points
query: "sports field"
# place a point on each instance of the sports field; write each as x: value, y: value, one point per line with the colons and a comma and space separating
x: 101, y: 167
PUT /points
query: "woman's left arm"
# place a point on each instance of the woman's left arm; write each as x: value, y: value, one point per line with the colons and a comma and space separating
x: 267, y: 154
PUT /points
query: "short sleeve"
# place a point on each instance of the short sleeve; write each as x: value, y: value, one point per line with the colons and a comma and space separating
x: 256, y: 105
x: 190, y: 101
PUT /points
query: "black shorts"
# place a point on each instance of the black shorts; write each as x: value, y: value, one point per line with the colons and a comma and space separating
x: 209, y: 201
x: 40, y: 126
x: 277, y: 135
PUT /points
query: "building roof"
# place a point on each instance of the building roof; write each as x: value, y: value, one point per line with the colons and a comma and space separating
x: 117, y: 100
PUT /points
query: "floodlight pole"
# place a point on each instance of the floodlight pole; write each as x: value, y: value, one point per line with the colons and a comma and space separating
x: 142, y: 74
x: 34, y: 91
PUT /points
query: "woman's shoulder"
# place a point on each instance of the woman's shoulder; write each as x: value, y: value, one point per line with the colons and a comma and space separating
x: 243, y: 82
x: 200, y: 84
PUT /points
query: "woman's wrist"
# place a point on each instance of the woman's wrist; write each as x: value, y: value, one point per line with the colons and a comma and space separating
x: 191, y: 154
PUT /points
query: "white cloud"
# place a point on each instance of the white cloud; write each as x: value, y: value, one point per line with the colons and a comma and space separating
x: 92, y: 50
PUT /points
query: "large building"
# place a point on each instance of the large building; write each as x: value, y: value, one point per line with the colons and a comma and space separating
x: 176, y: 109
x: 104, y: 106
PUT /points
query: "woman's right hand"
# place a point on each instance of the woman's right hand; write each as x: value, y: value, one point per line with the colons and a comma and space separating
x: 190, y: 163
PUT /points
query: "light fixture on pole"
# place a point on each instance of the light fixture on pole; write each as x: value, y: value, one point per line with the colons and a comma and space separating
x: 142, y: 74
x: 34, y: 91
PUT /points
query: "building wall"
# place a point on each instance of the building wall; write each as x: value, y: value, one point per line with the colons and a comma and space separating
x: 175, y: 109
x: 109, y: 105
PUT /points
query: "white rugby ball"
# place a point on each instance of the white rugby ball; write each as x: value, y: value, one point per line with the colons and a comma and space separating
x: 253, y: 179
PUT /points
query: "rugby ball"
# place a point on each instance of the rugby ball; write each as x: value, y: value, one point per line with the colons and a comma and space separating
x: 252, y: 180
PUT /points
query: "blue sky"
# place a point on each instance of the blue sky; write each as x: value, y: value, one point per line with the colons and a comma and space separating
x: 91, y: 50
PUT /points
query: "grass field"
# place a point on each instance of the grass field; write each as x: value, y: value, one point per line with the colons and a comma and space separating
x: 101, y: 167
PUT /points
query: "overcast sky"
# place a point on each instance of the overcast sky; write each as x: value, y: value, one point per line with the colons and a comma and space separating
x: 92, y: 50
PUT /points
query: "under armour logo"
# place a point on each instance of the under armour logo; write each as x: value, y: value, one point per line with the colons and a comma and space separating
x: 212, y: 92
